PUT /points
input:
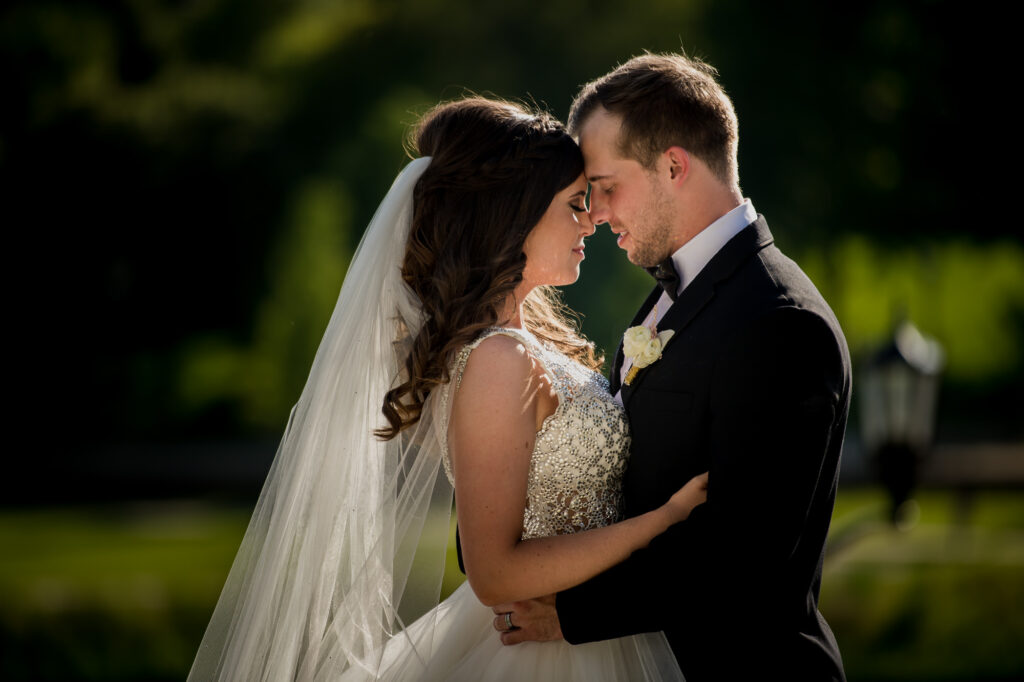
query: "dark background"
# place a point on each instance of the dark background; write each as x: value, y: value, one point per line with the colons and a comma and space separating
x: 162, y: 164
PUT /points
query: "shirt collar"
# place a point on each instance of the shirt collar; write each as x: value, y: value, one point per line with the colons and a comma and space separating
x: 692, y: 256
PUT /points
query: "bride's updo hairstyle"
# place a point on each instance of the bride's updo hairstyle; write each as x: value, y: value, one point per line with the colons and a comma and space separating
x: 494, y: 171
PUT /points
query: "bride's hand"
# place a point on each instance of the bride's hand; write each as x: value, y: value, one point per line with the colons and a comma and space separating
x: 689, y: 496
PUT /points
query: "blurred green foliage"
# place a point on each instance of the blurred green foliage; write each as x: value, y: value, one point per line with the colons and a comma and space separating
x: 198, y: 173
x: 305, y: 273
x: 107, y: 593
x: 969, y: 297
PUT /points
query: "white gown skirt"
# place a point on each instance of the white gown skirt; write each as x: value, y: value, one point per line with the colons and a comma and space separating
x: 457, y: 641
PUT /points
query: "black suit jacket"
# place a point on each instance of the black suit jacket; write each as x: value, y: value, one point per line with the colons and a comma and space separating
x: 755, y: 387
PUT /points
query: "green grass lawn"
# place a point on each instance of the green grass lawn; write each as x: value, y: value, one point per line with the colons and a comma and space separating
x: 110, y: 594
x: 941, y: 600
x: 125, y: 593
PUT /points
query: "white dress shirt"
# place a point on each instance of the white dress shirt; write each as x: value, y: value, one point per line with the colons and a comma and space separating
x: 692, y: 257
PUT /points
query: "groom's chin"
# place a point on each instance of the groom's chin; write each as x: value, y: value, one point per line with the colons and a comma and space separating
x: 631, y: 254
x: 634, y: 258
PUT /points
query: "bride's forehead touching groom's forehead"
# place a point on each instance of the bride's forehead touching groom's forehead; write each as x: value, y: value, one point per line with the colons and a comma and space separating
x: 576, y: 189
x: 599, y: 142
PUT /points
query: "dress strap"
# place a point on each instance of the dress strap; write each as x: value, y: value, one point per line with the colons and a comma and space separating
x: 458, y: 367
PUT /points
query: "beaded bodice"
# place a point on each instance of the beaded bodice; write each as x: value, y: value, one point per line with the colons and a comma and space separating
x: 581, y: 449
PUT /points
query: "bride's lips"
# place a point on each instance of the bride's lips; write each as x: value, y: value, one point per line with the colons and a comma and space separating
x: 579, y: 251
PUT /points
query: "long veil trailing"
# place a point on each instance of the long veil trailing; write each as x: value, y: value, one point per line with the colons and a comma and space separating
x: 324, y: 574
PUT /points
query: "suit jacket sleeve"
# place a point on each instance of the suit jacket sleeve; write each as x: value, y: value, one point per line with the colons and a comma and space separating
x: 777, y: 388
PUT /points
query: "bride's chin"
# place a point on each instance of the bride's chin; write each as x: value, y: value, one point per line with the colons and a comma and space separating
x: 568, y: 277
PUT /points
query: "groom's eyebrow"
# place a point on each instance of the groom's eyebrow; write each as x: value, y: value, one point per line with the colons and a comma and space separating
x: 594, y: 178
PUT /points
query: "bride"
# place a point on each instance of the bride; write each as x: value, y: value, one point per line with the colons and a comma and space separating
x: 447, y: 364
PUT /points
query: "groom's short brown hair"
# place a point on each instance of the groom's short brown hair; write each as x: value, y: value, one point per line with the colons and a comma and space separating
x: 666, y: 100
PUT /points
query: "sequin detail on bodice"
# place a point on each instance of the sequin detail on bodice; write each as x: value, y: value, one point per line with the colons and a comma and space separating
x: 580, y: 454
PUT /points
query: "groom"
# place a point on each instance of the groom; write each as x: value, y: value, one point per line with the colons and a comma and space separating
x: 754, y: 386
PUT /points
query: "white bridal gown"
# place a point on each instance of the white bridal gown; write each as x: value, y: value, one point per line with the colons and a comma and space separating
x: 574, y: 484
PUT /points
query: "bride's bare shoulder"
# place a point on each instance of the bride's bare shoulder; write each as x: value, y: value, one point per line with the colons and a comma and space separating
x: 500, y: 363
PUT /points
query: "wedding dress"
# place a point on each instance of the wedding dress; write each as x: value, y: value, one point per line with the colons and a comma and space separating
x: 339, y: 573
x: 574, y: 484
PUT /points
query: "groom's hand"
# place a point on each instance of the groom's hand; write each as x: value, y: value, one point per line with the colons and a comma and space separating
x: 533, y: 620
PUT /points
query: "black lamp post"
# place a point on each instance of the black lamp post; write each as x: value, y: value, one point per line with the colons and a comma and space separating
x: 898, y: 395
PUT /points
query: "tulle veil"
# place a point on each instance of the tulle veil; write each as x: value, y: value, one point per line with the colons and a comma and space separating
x: 324, y: 575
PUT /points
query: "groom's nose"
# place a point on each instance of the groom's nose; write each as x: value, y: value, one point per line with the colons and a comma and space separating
x: 599, y: 212
x: 586, y: 224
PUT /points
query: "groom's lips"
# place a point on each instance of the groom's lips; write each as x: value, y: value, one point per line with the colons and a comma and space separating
x: 622, y: 236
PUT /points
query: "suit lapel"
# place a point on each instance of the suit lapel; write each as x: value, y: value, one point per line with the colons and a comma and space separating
x: 701, y: 290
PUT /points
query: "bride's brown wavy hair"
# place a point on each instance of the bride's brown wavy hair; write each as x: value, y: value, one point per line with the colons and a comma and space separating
x: 495, y: 169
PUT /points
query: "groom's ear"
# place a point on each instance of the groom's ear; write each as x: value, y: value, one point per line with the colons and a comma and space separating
x: 678, y: 161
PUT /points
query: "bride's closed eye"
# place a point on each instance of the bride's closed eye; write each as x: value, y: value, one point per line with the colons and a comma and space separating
x: 578, y: 201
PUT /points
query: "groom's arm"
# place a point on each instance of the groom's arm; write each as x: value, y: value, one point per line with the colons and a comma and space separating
x: 776, y: 389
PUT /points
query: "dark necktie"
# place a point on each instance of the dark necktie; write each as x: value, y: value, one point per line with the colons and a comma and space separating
x: 665, y: 273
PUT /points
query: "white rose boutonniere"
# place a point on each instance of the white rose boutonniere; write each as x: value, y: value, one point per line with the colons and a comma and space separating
x: 635, y: 340
x: 643, y: 346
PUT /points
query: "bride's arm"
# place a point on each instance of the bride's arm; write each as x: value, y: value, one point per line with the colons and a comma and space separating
x: 492, y: 431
